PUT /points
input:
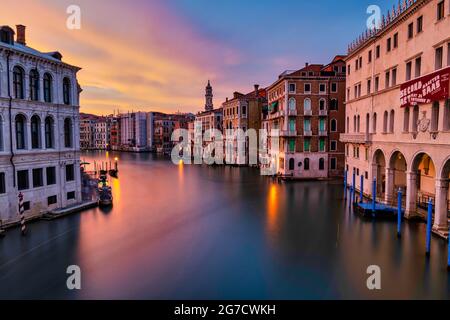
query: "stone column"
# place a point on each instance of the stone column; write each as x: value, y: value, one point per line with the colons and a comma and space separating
x: 389, y: 196
x: 440, y: 209
x: 411, y: 194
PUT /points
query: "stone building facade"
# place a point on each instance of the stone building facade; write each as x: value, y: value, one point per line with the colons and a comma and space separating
x: 398, y: 109
x: 307, y: 108
x: 39, y: 128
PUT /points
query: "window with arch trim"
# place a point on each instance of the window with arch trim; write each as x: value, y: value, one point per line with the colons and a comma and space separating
x: 35, y: 132
x: 67, y: 92
x: 306, y: 164
x: 435, y: 116
x: 292, y: 104
x: 20, y: 123
x: 291, y: 164
x: 392, y: 121
x: 333, y: 125
x: 385, y: 122
x: 307, y: 104
x: 18, y: 82
x: 322, y: 104
x: 48, y: 83
x: 321, y: 164
x: 374, y: 124
x: 334, y: 104
x: 68, y: 133
x: 34, y: 85
x: 49, y: 136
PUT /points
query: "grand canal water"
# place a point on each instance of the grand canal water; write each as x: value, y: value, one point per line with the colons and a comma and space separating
x: 198, y: 232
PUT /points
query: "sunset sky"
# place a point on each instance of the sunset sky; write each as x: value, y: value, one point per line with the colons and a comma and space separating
x: 158, y: 55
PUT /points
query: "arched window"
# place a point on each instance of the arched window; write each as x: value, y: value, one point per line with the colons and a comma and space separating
x: 415, y: 121
x: 35, y: 132
x: 321, y: 164
x: 20, y: 132
x: 333, y: 125
x: 447, y: 115
x: 347, y: 128
x: 322, y: 104
x: 374, y: 129
x: 406, y: 120
x: 306, y: 164
x: 367, y: 123
x: 68, y: 133
x: 292, y: 104
x: 385, y: 122
x: 34, y: 85
x: 358, y: 123
x: 67, y: 94
x: 307, y: 104
x: 18, y: 82
x: 48, y: 87
x: 49, y: 133
x: 391, y: 121
x: 354, y: 124
x: 435, y: 117
x: 291, y: 164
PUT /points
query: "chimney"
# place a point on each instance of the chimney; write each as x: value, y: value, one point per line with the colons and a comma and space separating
x: 256, y: 90
x: 227, y: 99
x: 21, y: 34
x: 306, y: 64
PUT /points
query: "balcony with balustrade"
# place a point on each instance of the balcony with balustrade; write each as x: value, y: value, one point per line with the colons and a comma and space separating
x: 358, y: 138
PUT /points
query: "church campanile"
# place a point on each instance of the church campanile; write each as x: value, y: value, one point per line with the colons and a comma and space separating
x: 209, y: 97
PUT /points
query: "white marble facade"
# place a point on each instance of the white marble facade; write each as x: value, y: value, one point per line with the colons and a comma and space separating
x: 50, y: 154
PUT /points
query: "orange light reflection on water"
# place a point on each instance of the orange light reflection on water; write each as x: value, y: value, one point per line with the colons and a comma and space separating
x: 272, y: 209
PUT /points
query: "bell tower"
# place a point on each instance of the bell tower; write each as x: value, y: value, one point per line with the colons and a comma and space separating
x: 209, y: 97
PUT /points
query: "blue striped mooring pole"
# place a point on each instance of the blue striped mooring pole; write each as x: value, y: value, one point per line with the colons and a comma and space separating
x: 361, y: 191
x: 374, y: 194
x: 354, y: 186
x: 399, y: 213
x: 429, y: 223
x: 345, y: 184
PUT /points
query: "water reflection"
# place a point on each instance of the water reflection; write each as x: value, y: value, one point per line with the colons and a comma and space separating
x: 199, y: 232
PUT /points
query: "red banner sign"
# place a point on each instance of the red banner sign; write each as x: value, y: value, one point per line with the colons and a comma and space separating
x: 426, y: 89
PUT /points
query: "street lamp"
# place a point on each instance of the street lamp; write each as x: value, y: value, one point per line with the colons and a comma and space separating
x: 115, y: 164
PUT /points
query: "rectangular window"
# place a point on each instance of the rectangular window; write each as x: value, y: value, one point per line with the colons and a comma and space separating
x: 71, y: 195
x: 440, y: 10
x: 322, y: 124
x: 377, y: 83
x: 377, y: 51
x: 51, y: 175
x: 292, y: 88
x: 370, y: 56
x: 439, y: 57
x: 394, y: 77
x: 70, y: 174
x: 395, y: 40
x: 22, y: 180
x: 448, y: 54
x: 2, y: 183
x: 333, y: 164
x: 322, y: 88
x: 360, y: 62
x: 369, y: 86
x: 322, y: 145
x: 26, y: 206
x: 307, y: 124
x: 410, y: 30
x: 349, y: 69
x: 38, y: 178
x: 388, y: 44
x: 420, y: 24
x: 408, y: 71
x: 387, y: 79
x: 307, y: 145
x: 52, y: 200
x: 334, y: 87
x: 418, y: 71
x: 292, y: 145
x: 307, y: 88
x: 333, y: 145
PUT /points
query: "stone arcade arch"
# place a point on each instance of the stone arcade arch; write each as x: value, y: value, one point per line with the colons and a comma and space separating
x: 379, y: 172
x: 395, y: 177
x: 420, y: 184
x: 442, y: 207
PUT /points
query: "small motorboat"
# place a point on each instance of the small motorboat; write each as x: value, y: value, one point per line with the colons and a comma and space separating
x: 105, y: 197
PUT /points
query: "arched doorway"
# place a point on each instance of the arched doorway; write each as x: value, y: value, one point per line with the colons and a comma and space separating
x: 396, y: 177
x: 442, y: 207
x: 420, y: 185
x: 379, y: 173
